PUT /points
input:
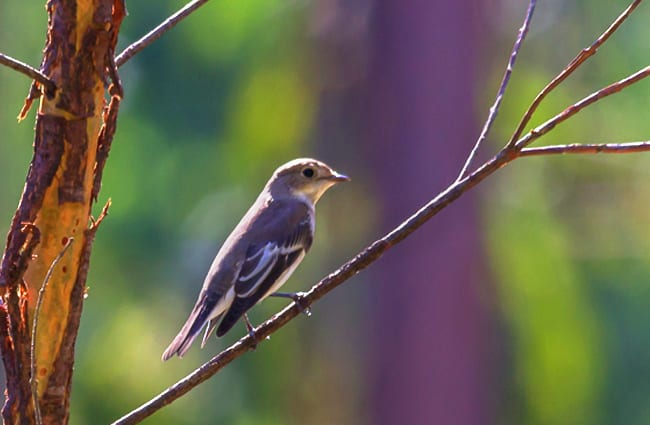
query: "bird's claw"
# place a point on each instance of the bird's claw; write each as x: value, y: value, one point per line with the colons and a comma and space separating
x: 298, y: 298
x: 251, y: 332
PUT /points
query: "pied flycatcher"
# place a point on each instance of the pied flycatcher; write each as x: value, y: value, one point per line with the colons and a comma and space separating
x: 261, y: 252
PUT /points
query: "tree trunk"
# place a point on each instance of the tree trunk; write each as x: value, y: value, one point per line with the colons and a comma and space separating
x: 428, y: 357
x: 70, y: 146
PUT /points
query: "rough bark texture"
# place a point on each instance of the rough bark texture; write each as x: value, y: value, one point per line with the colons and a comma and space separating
x: 57, y: 201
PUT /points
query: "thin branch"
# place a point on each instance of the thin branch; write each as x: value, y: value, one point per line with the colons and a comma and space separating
x: 494, y: 109
x: 570, y: 68
x: 580, y: 105
x: 104, y: 143
x: 28, y: 70
x: 590, y: 148
x: 37, y: 312
x: 95, y: 222
x: 157, y: 32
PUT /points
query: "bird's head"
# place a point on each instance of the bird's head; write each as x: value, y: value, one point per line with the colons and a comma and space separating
x: 304, y: 177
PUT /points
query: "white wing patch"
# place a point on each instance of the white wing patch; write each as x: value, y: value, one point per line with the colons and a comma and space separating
x: 284, y: 276
x: 262, y: 263
x: 267, y: 255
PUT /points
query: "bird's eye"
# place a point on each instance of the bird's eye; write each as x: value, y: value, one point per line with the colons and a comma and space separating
x: 308, y: 172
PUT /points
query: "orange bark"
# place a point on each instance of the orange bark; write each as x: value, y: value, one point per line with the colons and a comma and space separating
x: 57, y: 199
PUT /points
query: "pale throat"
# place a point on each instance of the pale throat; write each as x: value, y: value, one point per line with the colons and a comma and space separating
x: 312, y: 193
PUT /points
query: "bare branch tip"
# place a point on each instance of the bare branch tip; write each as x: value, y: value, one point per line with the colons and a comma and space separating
x: 153, y: 35
x: 29, y: 71
x: 494, y: 109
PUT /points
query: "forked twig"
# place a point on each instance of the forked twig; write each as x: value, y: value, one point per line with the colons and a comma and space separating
x: 95, y: 222
x: 570, y: 68
x: 494, y: 109
x: 611, y: 89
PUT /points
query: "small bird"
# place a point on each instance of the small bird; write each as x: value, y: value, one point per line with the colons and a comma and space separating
x: 261, y: 252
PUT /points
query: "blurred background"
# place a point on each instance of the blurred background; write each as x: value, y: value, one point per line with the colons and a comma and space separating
x: 526, y: 302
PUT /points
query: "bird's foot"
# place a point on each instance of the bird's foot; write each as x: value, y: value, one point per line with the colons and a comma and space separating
x: 251, y: 331
x: 298, y: 298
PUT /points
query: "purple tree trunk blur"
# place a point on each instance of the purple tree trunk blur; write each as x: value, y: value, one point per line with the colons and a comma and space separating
x: 429, y: 362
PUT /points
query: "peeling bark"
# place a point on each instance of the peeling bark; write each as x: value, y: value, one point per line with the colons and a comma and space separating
x: 57, y: 201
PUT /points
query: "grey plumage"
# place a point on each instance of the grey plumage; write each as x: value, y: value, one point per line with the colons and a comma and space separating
x: 262, y: 251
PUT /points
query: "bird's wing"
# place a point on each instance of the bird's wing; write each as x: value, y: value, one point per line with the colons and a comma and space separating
x: 266, y: 267
x: 259, y: 263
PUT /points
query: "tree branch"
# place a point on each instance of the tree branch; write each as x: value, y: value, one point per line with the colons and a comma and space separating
x: 515, y: 148
x: 157, y: 32
x: 361, y: 261
x: 494, y: 109
x: 591, y: 148
x: 31, y: 72
x: 374, y: 251
x: 355, y: 265
x: 570, y: 68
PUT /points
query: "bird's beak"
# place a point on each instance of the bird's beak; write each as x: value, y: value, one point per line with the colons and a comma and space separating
x: 338, y: 177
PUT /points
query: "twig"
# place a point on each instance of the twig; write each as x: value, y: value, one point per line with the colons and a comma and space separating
x: 106, y: 133
x: 30, y: 71
x: 570, y: 68
x: 37, y: 312
x: 494, y: 109
x: 95, y: 222
x: 157, y: 32
x: 580, y: 148
x: 616, y: 87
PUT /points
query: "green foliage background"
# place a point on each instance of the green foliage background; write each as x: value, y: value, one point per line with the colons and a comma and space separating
x: 216, y: 104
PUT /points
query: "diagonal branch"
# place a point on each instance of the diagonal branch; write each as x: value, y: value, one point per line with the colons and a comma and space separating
x: 28, y: 70
x: 374, y: 251
x: 355, y: 265
x: 494, y: 109
x: 570, y: 68
x: 584, y: 148
x: 361, y: 261
x: 157, y: 32
x: 511, y: 151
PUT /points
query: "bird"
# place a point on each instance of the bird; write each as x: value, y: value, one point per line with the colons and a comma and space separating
x: 261, y: 253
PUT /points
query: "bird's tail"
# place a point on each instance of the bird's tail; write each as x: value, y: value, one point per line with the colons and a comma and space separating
x: 234, y: 313
x: 188, y: 333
